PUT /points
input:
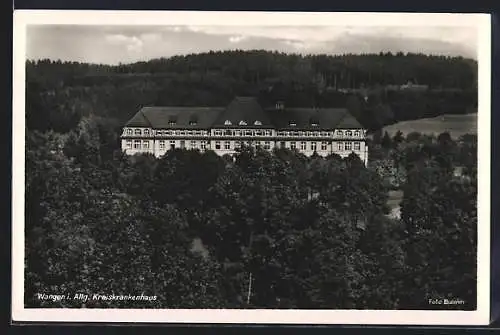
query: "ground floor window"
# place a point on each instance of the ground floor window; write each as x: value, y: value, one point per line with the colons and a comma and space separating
x: 217, y: 145
x: 302, y: 145
x: 183, y: 144
x: 203, y: 145
x: 172, y: 144
x: 162, y: 145
x: 227, y: 145
x: 357, y: 146
x: 324, y: 146
x: 283, y: 145
x: 267, y: 145
x: 341, y: 146
x: 128, y: 144
x: 193, y: 145
x: 137, y: 144
x: 313, y: 146
x: 293, y: 145
x: 348, y: 146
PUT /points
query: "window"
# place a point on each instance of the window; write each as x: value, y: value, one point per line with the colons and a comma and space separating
x: 293, y: 145
x: 189, y: 133
x: 203, y: 145
x: 340, y: 133
x: 129, y: 132
x: 217, y: 145
x: 218, y: 133
x: 172, y: 144
x: 227, y: 123
x: 292, y: 123
x: 302, y: 145
x: 357, y: 146
x: 257, y: 144
x: 128, y: 144
x: 348, y: 133
x: 177, y: 132
x: 162, y: 145
x: 145, y: 144
x: 257, y: 123
x: 146, y: 132
x: 243, y: 123
x: 316, y: 133
x: 341, y: 146
x: 348, y: 146
x: 183, y: 133
x: 267, y: 145
x: 193, y: 145
x: 357, y: 133
x: 228, y: 133
x: 227, y: 145
x: 258, y: 133
x: 168, y: 133
x: 268, y: 133
x: 193, y: 123
x: 308, y: 133
x: 313, y: 146
x: 248, y: 133
x: 300, y: 133
x: 237, y: 145
x: 137, y: 144
x: 183, y: 144
x: 137, y: 132
x: 324, y: 134
x: 287, y: 133
x: 237, y: 133
x: 171, y: 122
x: 324, y: 146
x: 283, y: 144
x: 197, y: 133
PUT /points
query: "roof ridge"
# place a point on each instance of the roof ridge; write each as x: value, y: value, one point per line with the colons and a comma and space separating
x: 146, y: 118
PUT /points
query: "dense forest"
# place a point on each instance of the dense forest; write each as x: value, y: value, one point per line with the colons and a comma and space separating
x: 263, y: 230
x: 60, y: 93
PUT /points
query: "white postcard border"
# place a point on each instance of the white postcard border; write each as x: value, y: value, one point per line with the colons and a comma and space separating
x: 22, y: 18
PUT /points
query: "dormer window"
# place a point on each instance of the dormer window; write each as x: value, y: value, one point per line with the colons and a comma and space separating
x: 313, y: 122
x: 292, y: 123
x: 257, y: 123
x: 193, y: 120
x: 227, y: 123
x: 172, y: 121
x: 243, y: 123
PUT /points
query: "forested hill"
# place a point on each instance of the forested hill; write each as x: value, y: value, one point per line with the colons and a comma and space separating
x: 373, y: 86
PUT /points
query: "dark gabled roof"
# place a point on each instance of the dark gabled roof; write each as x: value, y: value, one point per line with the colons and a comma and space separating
x: 184, y: 117
x: 305, y: 118
x: 245, y: 109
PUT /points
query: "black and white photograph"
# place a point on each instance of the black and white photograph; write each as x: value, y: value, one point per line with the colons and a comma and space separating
x: 251, y: 167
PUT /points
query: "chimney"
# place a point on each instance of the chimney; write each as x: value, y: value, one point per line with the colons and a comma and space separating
x: 280, y: 105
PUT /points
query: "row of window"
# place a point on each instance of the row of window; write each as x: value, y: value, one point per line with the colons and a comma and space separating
x: 243, y: 132
x: 243, y: 123
x: 147, y: 132
x: 341, y: 146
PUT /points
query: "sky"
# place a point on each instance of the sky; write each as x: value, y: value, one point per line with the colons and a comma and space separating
x: 114, y: 44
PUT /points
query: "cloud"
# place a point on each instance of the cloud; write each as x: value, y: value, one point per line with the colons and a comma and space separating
x: 114, y: 44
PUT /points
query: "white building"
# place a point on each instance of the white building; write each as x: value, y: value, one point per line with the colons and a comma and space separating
x: 223, y: 129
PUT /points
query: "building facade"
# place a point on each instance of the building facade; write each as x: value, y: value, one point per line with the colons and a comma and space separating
x: 323, y: 131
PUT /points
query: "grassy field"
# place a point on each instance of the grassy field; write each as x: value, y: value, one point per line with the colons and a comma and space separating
x: 456, y: 125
